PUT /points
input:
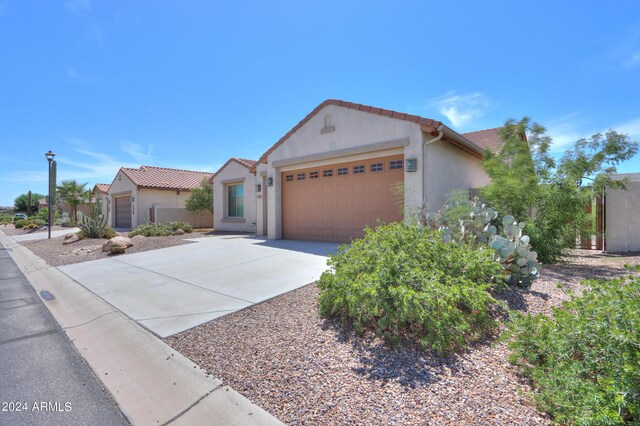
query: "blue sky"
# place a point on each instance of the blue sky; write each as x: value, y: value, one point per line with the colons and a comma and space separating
x: 188, y: 84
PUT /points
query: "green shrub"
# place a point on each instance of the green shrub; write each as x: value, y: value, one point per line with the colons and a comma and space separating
x: 151, y: 230
x: 584, y: 361
x: 39, y: 222
x: 108, y: 233
x: 21, y: 223
x: 93, y: 225
x: 476, y: 224
x: 185, y: 226
x: 402, y: 280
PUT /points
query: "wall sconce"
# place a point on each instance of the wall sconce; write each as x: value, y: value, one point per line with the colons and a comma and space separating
x: 269, y: 181
x: 133, y: 198
x: 258, y: 188
x: 411, y: 165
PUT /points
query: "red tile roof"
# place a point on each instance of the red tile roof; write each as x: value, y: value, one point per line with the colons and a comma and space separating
x: 165, y: 178
x: 102, y: 187
x: 358, y: 107
x: 489, y: 138
x: 249, y: 164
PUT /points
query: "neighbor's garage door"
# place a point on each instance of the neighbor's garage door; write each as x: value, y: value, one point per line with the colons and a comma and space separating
x: 335, y: 202
x: 123, y: 212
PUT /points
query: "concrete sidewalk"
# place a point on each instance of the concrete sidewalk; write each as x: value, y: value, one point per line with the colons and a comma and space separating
x: 43, y: 235
x: 151, y: 383
x: 44, y: 379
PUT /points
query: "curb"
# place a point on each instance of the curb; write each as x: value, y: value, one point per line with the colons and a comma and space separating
x: 151, y: 382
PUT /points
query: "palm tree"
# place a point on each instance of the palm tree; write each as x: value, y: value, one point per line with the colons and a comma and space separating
x: 73, y: 194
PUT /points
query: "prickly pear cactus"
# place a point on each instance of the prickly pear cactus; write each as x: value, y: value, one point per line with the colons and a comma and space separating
x: 473, y: 222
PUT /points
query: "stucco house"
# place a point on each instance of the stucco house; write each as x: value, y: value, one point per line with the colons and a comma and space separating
x: 234, y: 196
x: 138, y: 196
x: 622, y: 229
x: 100, y: 195
x: 347, y: 165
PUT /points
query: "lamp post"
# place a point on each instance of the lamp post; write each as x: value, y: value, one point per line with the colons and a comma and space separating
x: 49, y: 155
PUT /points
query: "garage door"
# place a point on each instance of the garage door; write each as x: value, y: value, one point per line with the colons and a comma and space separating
x: 123, y: 212
x: 335, y: 202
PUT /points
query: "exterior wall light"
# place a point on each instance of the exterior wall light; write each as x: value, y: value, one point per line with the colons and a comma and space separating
x: 258, y: 188
x: 269, y: 181
x: 411, y: 165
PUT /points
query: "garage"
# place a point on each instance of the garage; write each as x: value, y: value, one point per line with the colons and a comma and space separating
x: 123, y: 212
x: 335, y: 202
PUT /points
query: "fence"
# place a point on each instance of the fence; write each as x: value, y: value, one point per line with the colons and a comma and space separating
x: 170, y: 214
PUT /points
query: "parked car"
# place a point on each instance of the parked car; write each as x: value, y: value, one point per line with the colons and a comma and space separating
x: 19, y: 216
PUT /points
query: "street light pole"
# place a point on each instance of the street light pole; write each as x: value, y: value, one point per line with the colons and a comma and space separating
x: 49, y: 155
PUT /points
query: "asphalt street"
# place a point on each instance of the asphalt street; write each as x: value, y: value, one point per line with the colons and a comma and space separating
x: 43, y: 379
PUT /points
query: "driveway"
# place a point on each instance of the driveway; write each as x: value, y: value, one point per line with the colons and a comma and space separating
x: 173, y: 289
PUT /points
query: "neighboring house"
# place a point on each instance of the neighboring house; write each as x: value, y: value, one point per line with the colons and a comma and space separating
x: 101, y: 198
x: 346, y: 165
x: 42, y: 203
x: 154, y: 195
x: 622, y: 229
x: 234, y: 196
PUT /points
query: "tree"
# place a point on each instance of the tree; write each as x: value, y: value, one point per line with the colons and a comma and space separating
x: 73, y: 194
x: 21, y: 202
x: 201, y: 198
x: 550, y: 198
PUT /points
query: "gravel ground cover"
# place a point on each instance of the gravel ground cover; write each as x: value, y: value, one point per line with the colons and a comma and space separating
x: 11, y: 230
x: 307, y: 370
x: 56, y: 254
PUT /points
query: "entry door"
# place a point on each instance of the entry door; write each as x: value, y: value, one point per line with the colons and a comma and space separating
x: 123, y: 212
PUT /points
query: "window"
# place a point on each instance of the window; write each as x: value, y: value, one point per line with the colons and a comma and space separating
x: 302, y: 176
x: 288, y: 178
x: 313, y: 175
x: 343, y: 171
x: 394, y: 165
x: 376, y: 167
x: 235, y: 200
x: 327, y: 173
x: 358, y: 169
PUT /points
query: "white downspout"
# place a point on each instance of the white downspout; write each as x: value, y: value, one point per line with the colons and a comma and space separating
x: 440, y: 130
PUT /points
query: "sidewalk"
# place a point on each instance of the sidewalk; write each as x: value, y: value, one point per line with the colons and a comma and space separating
x: 151, y: 383
x: 44, y: 380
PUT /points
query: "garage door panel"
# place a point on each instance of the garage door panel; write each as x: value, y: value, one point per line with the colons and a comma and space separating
x: 123, y: 212
x: 337, y: 208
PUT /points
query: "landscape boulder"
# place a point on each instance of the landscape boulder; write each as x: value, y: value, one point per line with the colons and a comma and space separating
x: 70, y: 238
x: 178, y: 232
x: 121, y: 241
x: 118, y: 247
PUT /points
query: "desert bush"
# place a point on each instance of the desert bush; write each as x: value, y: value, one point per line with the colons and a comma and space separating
x: 151, y: 230
x: 108, y: 233
x: 21, y: 223
x: 64, y: 220
x: 93, y: 225
x: 474, y: 223
x: 185, y: 226
x: 402, y: 280
x: 584, y: 360
x: 39, y: 222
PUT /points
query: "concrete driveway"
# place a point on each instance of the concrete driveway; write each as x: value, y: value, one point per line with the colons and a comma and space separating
x: 173, y: 289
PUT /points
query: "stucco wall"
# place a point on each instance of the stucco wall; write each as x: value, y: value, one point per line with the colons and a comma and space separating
x: 622, y: 218
x: 171, y: 214
x: 448, y: 169
x: 352, y: 129
x: 240, y: 174
x: 148, y: 198
x: 122, y: 185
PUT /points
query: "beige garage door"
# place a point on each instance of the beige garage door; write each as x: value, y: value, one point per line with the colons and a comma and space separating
x: 335, y: 202
x: 123, y: 212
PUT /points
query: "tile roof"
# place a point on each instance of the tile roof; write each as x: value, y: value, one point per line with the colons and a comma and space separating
x: 249, y: 164
x: 358, y: 107
x: 103, y: 187
x: 489, y: 138
x: 165, y: 178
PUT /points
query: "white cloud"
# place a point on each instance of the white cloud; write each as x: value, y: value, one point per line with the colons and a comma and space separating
x: 566, y: 130
x: 462, y: 109
x: 631, y: 127
x: 78, y: 7
x: 137, y: 151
